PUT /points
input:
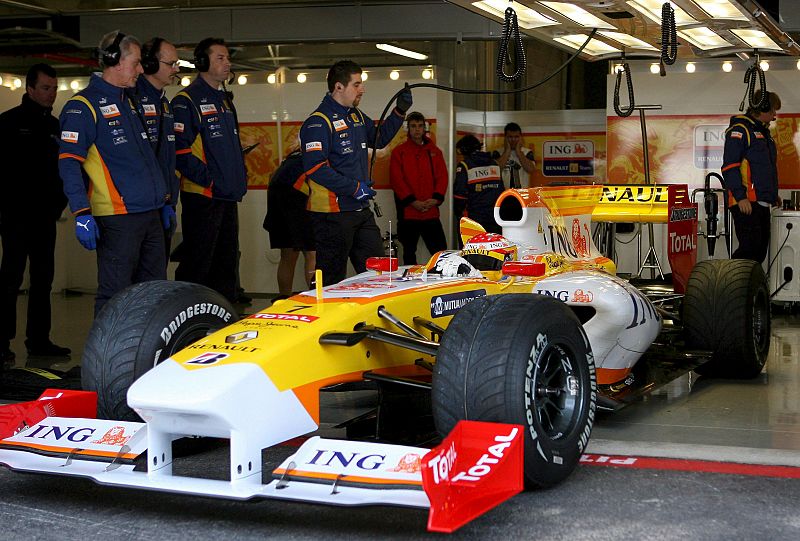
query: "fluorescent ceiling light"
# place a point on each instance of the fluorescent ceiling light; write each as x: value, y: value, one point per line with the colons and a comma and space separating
x: 756, y: 39
x: 652, y: 10
x: 720, y: 9
x: 594, y: 48
x: 402, y: 52
x: 627, y: 40
x: 578, y: 15
x: 703, y: 38
x: 526, y: 17
x: 185, y: 64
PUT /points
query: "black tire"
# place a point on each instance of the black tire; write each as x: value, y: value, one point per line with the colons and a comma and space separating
x: 521, y: 359
x: 726, y: 311
x: 141, y: 326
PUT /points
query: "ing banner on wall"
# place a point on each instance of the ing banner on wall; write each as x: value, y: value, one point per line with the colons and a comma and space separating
x: 684, y: 148
x: 561, y: 157
x: 263, y: 159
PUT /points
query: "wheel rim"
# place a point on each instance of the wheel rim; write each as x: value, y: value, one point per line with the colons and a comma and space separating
x: 760, y: 322
x: 555, y: 387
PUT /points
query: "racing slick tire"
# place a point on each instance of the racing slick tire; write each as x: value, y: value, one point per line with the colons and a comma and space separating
x: 138, y: 328
x: 726, y: 311
x: 522, y: 359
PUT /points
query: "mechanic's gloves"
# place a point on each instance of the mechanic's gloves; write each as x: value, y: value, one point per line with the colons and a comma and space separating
x: 86, y: 231
x: 168, y: 218
x: 364, y: 192
x: 404, y: 100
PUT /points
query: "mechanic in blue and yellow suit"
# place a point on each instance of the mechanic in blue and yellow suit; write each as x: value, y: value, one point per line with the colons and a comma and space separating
x: 213, y: 176
x: 750, y: 170
x: 110, y: 173
x: 334, y: 141
x: 477, y: 184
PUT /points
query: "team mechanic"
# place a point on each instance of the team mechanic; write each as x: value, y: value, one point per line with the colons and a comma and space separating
x: 750, y: 170
x: 477, y: 184
x: 213, y: 176
x: 334, y: 141
x: 118, y: 210
x: 160, y: 66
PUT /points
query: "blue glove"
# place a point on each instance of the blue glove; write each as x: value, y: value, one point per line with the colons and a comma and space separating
x: 363, y: 192
x: 86, y: 231
x: 168, y: 218
x: 404, y: 100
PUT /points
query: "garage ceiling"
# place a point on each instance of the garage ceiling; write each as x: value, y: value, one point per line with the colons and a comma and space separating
x: 266, y: 34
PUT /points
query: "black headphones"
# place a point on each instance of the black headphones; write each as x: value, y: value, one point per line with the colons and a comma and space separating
x: 201, y: 60
x: 150, y: 62
x: 110, y: 56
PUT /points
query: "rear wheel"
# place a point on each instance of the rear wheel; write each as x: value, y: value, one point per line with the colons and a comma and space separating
x: 726, y: 311
x: 520, y: 359
x: 138, y: 328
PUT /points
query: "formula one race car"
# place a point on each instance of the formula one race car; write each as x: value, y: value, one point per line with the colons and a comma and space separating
x: 531, y: 328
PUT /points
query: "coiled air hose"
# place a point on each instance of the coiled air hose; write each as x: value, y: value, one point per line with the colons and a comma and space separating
x: 511, y: 28
x: 669, y: 35
x: 750, y: 84
x: 624, y: 69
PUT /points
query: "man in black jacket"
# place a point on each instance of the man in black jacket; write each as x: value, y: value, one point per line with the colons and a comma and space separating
x: 31, y: 201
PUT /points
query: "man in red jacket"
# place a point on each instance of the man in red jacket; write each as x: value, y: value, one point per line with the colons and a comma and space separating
x: 419, y: 179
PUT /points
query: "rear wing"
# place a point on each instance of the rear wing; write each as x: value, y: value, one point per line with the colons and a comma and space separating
x: 528, y: 218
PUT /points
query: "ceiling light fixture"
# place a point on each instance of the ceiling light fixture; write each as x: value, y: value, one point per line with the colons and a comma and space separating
x: 655, y: 69
x: 427, y: 74
x: 720, y: 9
x: 526, y: 17
x: 577, y: 15
x: 764, y: 65
x: 727, y: 67
x: 703, y: 38
x: 364, y: 76
x: 185, y: 64
x: 652, y: 10
x: 756, y: 39
x: 301, y: 78
x: 594, y: 47
x: 690, y: 67
x: 402, y: 52
x: 272, y: 78
x: 394, y: 75
x: 242, y: 79
x: 74, y: 84
x: 185, y: 81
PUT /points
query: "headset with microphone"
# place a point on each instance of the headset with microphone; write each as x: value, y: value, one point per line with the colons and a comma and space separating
x: 150, y: 61
x: 111, y: 55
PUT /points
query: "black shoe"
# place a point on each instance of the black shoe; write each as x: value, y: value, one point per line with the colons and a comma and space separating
x: 7, y: 358
x: 47, y: 349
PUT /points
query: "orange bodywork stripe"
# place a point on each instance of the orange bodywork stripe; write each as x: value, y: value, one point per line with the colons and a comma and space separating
x: 308, y: 394
x: 63, y: 451
x: 606, y: 376
x: 350, y: 478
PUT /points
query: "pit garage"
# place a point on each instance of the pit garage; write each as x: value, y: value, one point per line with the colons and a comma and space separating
x: 652, y: 380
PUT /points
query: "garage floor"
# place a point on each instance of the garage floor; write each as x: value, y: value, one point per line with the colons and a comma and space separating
x: 753, y: 422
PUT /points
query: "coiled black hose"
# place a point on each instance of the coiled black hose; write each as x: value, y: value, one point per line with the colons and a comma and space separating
x: 511, y: 31
x: 750, y: 85
x: 629, y: 109
x: 669, y: 35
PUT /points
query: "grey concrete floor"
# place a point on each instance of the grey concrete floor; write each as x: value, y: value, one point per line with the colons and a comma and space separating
x: 755, y: 421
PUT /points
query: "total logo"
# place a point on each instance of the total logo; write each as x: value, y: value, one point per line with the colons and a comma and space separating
x: 682, y: 243
x: 285, y: 317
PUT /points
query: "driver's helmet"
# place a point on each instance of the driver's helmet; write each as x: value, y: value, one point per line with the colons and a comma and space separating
x: 488, y: 251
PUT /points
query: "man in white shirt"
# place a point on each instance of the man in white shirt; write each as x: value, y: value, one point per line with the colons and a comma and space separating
x: 516, y: 162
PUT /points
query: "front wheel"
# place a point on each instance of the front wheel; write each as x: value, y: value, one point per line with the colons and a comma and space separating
x: 138, y: 328
x: 521, y: 359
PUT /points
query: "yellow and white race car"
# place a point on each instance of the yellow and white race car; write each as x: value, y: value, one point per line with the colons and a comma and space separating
x: 530, y: 328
